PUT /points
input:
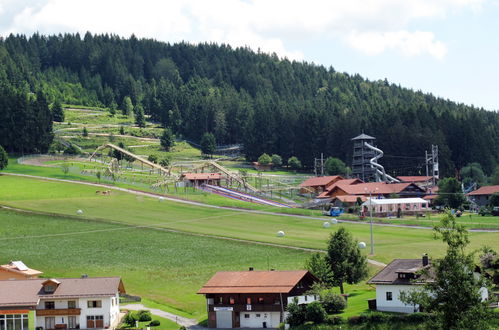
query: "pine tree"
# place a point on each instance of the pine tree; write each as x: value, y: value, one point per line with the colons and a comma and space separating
x: 167, y: 140
x: 127, y: 106
x: 4, y: 158
x: 57, y: 112
x: 208, y: 144
x: 140, y: 119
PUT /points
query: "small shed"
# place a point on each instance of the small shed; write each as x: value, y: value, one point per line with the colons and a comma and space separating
x: 198, y: 179
x: 395, y: 206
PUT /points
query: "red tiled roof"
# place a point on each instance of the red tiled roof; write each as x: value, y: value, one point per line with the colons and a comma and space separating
x: 414, y: 178
x: 253, y: 282
x: 202, y: 176
x: 330, y: 188
x: 374, y: 187
x: 487, y: 190
x: 320, y: 181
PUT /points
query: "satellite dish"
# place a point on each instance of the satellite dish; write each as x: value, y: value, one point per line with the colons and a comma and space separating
x: 334, y: 221
x: 326, y: 224
x: 362, y: 245
x: 280, y: 233
x: 79, y: 212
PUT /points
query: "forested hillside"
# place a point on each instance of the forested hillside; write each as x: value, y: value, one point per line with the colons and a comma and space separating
x: 268, y: 104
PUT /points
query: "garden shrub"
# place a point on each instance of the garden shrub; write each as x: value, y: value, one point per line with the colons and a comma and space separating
x: 130, y: 318
x: 333, y: 303
x: 315, y: 312
x: 144, y: 316
x: 154, y: 323
x: 296, y: 314
x: 334, y: 320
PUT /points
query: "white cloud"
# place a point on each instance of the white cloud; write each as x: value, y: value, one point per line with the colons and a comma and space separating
x: 370, y: 26
x: 409, y: 43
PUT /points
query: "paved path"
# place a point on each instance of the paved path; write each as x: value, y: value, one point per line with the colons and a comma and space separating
x: 186, y: 322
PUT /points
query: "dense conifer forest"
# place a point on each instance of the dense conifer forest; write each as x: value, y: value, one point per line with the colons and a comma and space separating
x: 266, y: 103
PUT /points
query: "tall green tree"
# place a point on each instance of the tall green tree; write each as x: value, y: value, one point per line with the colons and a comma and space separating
x: 494, y: 178
x: 450, y: 193
x: 167, y: 139
x: 140, y: 119
x: 335, y: 166
x: 276, y: 160
x: 57, y: 112
x: 347, y: 263
x: 318, y: 265
x: 473, y: 172
x: 4, y: 158
x: 127, y: 106
x: 208, y: 144
x: 453, y: 294
x: 294, y: 163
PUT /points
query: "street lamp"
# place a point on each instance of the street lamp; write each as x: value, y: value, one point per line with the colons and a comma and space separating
x: 371, y: 215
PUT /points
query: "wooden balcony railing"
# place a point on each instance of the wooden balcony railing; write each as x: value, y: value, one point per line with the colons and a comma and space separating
x: 58, y: 312
x: 249, y: 308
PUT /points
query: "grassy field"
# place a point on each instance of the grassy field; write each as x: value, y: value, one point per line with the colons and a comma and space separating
x: 164, y: 267
x: 65, y: 198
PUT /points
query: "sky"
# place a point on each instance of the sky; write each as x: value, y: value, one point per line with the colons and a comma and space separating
x: 448, y: 48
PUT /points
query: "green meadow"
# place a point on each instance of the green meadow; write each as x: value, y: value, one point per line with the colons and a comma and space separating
x: 126, y: 208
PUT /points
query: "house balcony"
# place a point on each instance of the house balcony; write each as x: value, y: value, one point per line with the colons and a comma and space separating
x: 248, y: 308
x: 58, y: 312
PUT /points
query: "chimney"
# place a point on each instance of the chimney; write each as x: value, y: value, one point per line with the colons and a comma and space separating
x: 425, y: 259
x: 251, y: 269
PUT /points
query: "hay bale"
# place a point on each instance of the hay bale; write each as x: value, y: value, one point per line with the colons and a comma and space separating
x: 280, y: 233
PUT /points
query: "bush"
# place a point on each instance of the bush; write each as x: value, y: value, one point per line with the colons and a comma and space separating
x: 334, y: 320
x: 154, y: 323
x: 281, y: 326
x: 153, y: 159
x: 333, y: 303
x: 130, y: 318
x: 144, y: 316
x: 182, y: 328
x: 71, y: 150
x: 296, y: 314
x: 294, y: 163
x: 315, y: 312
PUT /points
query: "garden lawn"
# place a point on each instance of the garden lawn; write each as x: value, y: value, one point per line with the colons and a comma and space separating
x: 66, y: 198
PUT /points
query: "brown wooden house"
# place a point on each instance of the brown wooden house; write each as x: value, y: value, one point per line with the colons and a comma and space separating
x: 254, y: 299
x: 317, y: 185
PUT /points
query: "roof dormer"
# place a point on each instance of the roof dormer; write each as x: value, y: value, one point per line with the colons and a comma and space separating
x: 49, y: 286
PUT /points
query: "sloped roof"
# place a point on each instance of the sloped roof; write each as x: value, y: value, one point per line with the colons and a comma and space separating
x: 415, y: 178
x: 253, y: 282
x: 202, y: 176
x: 389, y: 274
x: 375, y: 188
x: 28, y: 292
x: 486, y: 190
x: 364, y: 137
x: 16, y: 267
x: 329, y: 189
x: 320, y: 181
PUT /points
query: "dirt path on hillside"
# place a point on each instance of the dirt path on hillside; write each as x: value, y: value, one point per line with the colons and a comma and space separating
x: 186, y: 322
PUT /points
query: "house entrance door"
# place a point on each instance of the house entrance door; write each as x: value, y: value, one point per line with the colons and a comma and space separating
x: 2, y: 324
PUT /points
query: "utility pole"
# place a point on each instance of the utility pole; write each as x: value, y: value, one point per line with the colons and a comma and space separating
x: 319, y: 165
x: 432, y: 160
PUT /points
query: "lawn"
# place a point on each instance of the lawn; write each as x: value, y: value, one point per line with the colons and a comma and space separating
x: 66, y: 198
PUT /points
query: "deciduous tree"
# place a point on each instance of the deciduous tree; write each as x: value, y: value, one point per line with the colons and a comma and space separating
x: 167, y: 139
x: 347, y: 263
x: 208, y: 144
